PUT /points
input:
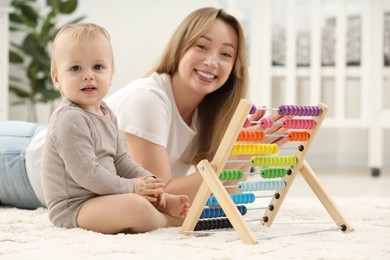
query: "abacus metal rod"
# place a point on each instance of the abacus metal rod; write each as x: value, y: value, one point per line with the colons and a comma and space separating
x: 248, y: 173
x: 288, y: 147
x: 238, y: 161
x: 230, y: 186
x: 213, y: 231
x: 246, y: 161
x: 259, y: 121
x: 278, y: 135
x: 261, y: 181
x: 252, y: 174
x: 268, y: 108
x: 257, y: 197
x: 259, y: 173
x: 302, y: 233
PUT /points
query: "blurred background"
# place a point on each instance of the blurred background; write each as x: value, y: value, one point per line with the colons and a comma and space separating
x: 300, y: 52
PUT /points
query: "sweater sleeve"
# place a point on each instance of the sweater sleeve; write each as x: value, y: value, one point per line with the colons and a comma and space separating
x: 74, y: 142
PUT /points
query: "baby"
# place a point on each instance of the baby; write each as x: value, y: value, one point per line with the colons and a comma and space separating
x: 88, y: 178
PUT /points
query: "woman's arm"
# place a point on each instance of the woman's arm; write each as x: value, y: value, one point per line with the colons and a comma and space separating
x: 154, y: 158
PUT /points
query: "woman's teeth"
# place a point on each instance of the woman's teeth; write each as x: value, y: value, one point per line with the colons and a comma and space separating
x: 206, y: 75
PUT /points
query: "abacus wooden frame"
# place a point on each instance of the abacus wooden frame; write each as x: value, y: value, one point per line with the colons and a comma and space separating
x: 212, y: 185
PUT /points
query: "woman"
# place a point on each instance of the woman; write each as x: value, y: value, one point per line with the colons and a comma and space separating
x: 177, y: 115
x: 21, y: 147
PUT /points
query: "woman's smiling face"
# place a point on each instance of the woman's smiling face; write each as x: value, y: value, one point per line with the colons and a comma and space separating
x: 207, y: 64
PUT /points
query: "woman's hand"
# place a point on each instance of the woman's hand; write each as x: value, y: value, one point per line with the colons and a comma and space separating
x: 270, y: 138
x: 275, y: 129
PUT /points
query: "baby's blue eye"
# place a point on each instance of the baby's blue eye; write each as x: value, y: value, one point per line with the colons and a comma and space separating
x: 76, y: 68
x: 98, y: 67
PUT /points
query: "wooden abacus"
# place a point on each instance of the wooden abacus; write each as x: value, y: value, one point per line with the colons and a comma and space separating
x: 212, y: 184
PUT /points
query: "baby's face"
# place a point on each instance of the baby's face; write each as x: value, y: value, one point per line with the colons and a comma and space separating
x: 84, y: 71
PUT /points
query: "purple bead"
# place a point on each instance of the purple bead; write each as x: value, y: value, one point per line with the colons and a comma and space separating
x: 295, y: 110
x: 253, y: 110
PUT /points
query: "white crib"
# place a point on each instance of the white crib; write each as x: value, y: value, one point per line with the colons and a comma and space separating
x: 334, y: 33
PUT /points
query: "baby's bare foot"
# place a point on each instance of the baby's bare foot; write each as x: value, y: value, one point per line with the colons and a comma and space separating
x: 176, y: 205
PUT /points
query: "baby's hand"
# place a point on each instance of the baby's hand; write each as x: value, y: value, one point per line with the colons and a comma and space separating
x: 149, y: 187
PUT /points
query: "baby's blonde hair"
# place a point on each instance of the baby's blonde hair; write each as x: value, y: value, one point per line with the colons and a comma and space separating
x: 80, y: 32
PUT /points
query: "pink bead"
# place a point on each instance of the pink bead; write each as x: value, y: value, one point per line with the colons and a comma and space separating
x: 247, y: 123
x: 266, y: 122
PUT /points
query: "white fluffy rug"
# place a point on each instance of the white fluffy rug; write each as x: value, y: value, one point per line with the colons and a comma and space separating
x: 26, y: 234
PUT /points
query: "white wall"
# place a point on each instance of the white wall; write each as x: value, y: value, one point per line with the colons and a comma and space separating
x: 139, y: 32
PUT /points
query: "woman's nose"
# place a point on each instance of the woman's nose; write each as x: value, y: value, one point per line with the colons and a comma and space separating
x: 211, y: 61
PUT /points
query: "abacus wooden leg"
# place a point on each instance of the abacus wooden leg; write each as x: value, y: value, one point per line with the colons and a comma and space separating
x: 329, y: 204
x: 226, y: 203
x: 196, y: 209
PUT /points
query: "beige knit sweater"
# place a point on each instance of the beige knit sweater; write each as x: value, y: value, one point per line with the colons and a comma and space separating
x: 85, y: 156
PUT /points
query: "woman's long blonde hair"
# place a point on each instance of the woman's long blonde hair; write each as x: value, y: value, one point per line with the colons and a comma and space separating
x: 217, y: 108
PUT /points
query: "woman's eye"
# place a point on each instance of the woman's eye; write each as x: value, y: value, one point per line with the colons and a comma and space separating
x: 75, y: 68
x: 200, y: 46
x: 227, y: 55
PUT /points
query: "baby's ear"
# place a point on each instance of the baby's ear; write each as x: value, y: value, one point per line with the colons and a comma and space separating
x: 54, y: 78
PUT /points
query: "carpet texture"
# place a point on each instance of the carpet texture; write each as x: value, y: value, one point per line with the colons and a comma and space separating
x: 28, y: 234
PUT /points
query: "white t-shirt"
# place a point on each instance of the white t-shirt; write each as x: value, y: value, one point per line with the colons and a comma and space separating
x: 33, y: 163
x: 146, y: 108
